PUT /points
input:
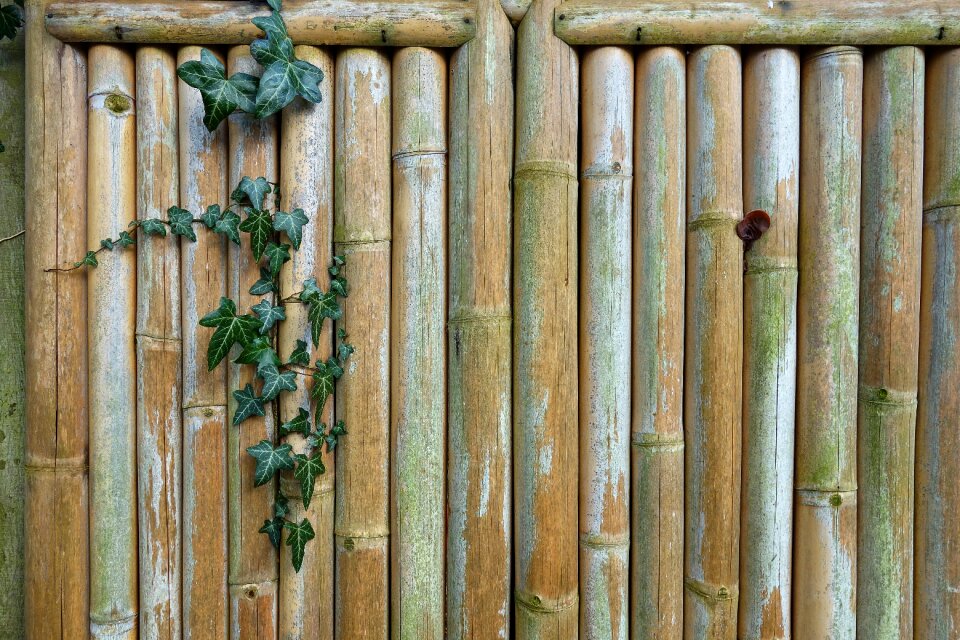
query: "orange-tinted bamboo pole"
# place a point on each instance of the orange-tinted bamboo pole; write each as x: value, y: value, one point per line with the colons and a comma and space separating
x: 417, y: 346
x: 111, y: 318
x: 203, y: 181
x: 824, y: 556
x: 362, y: 233
x: 545, y: 340
x: 606, y: 173
x: 714, y: 343
x: 306, y: 182
x: 159, y: 428
x: 771, y: 172
x: 56, y: 565
x: 253, y: 564
x: 659, y: 235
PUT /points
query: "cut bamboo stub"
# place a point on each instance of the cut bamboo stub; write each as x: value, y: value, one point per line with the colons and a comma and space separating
x: 433, y: 23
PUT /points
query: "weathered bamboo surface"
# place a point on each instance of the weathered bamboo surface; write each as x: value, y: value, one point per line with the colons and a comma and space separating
x: 659, y: 240
x: 433, y: 23
x: 825, y: 532
x: 362, y: 232
x: 771, y: 172
x: 545, y: 336
x: 891, y: 228
x: 514, y: 10
x: 937, y: 562
x: 862, y: 22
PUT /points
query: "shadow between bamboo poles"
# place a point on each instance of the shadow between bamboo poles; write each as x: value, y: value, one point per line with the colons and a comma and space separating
x: 606, y: 175
x: 418, y: 355
x: 362, y: 232
x: 478, y: 341
x: 937, y: 609
x: 824, y: 556
x: 56, y: 534
x: 111, y: 303
x: 891, y: 228
x: 253, y: 564
x: 203, y: 181
x: 306, y: 182
x: 659, y: 236
x: 714, y: 343
x: 771, y: 148
x: 545, y: 342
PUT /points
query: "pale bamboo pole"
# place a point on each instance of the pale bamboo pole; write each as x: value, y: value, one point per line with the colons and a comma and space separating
x: 159, y: 430
x: 478, y: 342
x: 111, y: 318
x: 825, y: 530
x: 203, y: 268
x: 606, y: 172
x: 306, y: 182
x: 659, y: 234
x: 771, y: 147
x: 253, y: 562
x: 937, y: 607
x: 362, y: 233
x: 891, y: 229
x: 545, y: 339
x: 714, y: 343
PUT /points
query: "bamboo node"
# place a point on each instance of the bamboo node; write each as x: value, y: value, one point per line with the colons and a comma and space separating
x: 942, y: 214
x: 711, y: 592
x: 117, y: 103
x: 534, y: 603
x: 887, y: 397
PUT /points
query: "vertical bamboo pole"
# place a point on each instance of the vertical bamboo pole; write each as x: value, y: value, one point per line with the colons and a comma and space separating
x: 158, y: 350
x: 891, y: 228
x: 606, y: 172
x: 306, y: 182
x: 937, y: 607
x: 111, y: 317
x: 545, y: 340
x: 714, y: 343
x: 478, y: 346
x: 417, y: 354
x: 771, y: 146
x: 656, y: 477
x: 362, y: 232
x: 824, y: 582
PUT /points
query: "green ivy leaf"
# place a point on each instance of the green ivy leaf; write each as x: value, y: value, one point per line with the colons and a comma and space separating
x: 300, y: 355
x: 344, y: 351
x: 268, y: 315
x: 275, y: 47
x: 254, y: 190
x: 181, y: 223
x: 229, y: 225
x: 264, y: 285
x: 230, y: 329
x: 259, y: 352
x: 323, y: 307
x: 221, y: 95
x: 248, y: 404
x: 339, y: 286
x: 272, y: 25
x: 281, y: 506
x: 107, y: 244
x: 291, y: 224
x: 276, y: 381
x: 273, y: 528
x: 153, y: 227
x: 211, y: 216
x: 270, y: 460
x: 337, y: 266
x: 311, y: 292
x: 89, y: 260
x: 11, y: 19
x: 276, y: 256
x: 307, y: 471
x: 323, y: 384
x: 339, y: 429
x: 299, y: 424
x: 297, y: 538
x: 259, y: 225
x: 274, y: 4
x: 125, y: 240
x: 276, y: 90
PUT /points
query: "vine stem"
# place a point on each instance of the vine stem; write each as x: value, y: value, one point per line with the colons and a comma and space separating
x: 16, y: 235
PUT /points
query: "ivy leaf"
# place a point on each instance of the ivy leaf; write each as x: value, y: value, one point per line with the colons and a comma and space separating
x: 230, y: 329
x: 11, y: 19
x: 221, y: 95
x: 311, y: 291
x: 181, y: 223
x: 259, y: 352
x: 300, y: 355
x: 339, y: 429
x: 125, y: 240
x: 333, y: 438
x: 306, y: 79
x: 254, y: 190
x: 248, y: 404
x: 273, y: 528
x: 275, y: 47
x: 270, y: 460
x: 89, y: 260
x: 229, y: 225
x: 274, y: 4
x: 276, y: 90
x: 323, y: 384
x: 259, y: 225
x: 264, y: 285
x: 337, y: 266
x: 323, y: 307
x: 307, y: 471
x: 268, y: 315
x: 276, y: 381
x: 344, y: 351
x: 281, y: 506
x: 339, y: 286
x: 211, y: 216
x: 107, y: 244
x: 272, y: 25
x: 153, y: 227
x: 297, y: 538
x: 300, y: 424
x: 276, y: 256
x: 291, y: 224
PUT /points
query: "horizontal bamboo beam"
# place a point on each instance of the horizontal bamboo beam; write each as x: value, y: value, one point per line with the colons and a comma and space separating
x: 428, y: 23
x: 862, y: 22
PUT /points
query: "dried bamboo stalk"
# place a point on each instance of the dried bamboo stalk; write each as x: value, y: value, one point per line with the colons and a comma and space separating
x: 606, y: 174
x: 56, y: 532
x: 891, y: 229
x: 937, y: 608
x: 545, y: 343
x: 659, y: 234
x: 111, y: 317
x: 771, y: 145
x: 478, y: 347
x: 362, y: 232
x: 253, y: 564
x: 824, y: 578
x: 714, y: 343
x: 306, y: 182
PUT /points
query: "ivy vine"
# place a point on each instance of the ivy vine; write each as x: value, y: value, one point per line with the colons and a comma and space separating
x: 11, y: 19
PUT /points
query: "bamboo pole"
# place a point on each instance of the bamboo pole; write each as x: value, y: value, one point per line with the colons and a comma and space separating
x: 714, y: 343
x: 111, y: 317
x: 56, y: 531
x: 606, y: 173
x: 889, y: 330
x: 306, y: 182
x: 362, y: 232
x: 824, y: 579
x: 656, y: 476
x: 478, y: 340
x: 203, y: 181
x: 771, y: 144
x: 253, y: 564
x: 545, y: 340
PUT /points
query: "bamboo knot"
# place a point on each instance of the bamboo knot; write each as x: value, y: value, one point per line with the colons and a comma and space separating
x: 886, y: 397
x: 711, y: 592
x: 942, y: 214
x: 534, y: 603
